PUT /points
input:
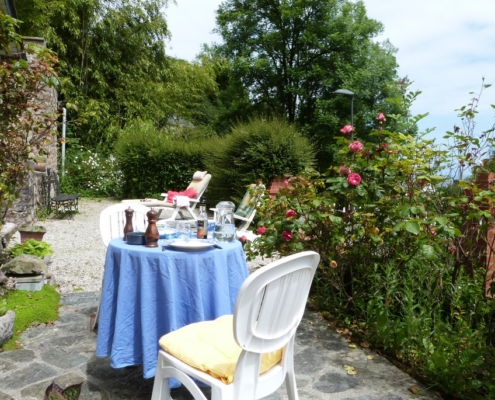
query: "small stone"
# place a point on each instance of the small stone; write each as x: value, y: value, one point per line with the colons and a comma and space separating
x: 25, y: 264
x: 6, y: 326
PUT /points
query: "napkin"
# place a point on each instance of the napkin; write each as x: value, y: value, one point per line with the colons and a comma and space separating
x: 181, y: 201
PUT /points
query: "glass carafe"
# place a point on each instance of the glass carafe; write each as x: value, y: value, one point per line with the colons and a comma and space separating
x: 224, y: 223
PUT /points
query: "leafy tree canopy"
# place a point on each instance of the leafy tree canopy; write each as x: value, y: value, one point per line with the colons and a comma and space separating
x: 291, y: 55
x: 113, y: 64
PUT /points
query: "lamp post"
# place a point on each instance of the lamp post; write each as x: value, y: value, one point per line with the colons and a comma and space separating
x: 345, y: 92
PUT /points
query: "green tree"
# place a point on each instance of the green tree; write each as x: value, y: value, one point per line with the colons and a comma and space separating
x: 112, y: 60
x: 292, y: 55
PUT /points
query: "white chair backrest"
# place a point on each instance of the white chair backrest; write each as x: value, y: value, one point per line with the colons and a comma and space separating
x: 112, y: 220
x: 271, y: 302
x: 200, y: 185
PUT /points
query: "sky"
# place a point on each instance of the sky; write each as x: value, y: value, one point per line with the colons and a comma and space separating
x: 445, y: 47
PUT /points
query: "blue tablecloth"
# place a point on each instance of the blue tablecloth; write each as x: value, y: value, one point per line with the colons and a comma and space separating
x: 148, y: 293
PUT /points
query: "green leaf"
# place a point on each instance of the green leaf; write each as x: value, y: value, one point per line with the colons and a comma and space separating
x: 398, y: 227
x: 428, y: 251
x: 412, y: 227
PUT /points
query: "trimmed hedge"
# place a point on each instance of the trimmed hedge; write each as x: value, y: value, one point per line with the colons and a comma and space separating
x: 260, y: 149
x: 153, y: 162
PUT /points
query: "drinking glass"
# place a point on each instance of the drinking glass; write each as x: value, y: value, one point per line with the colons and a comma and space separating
x: 170, y: 230
x: 184, y: 230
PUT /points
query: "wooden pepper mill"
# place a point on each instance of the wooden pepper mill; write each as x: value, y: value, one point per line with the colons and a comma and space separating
x: 152, y: 235
x: 128, y: 222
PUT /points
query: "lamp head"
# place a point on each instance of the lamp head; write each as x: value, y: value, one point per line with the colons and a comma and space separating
x: 345, y: 92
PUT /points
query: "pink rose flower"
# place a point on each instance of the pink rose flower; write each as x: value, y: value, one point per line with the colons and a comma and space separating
x: 356, y: 146
x: 261, y: 230
x: 290, y: 213
x: 381, y: 117
x: 354, y: 179
x: 347, y: 129
x: 344, y: 170
x: 243, y: 239
x: 287, y: 235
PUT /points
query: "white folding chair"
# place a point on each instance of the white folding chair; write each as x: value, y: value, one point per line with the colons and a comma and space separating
x: 112, y: 222
x: 268, y: 310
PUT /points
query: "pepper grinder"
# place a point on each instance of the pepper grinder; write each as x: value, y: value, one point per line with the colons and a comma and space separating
x: 152, y: 235
x: 128, y: 222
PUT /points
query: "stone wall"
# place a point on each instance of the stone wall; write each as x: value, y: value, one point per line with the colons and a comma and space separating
x: 24, y: 209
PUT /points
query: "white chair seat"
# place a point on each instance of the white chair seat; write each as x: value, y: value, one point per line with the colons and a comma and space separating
x: 268, y: 310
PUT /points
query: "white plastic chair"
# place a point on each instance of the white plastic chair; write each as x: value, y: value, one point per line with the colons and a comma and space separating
x: 268, y: 310
x: 246, y: 210
x: 112, y: 222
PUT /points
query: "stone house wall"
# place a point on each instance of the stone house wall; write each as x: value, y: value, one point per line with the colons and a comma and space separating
x: 24, y: 209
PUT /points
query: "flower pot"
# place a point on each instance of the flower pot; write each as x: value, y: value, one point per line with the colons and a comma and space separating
x: 40, y: 166
x: 32, y: 232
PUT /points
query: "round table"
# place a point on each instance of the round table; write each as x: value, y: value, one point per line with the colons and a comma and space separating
x: 148, y: 292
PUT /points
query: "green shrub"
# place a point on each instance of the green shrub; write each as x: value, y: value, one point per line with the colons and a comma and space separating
x: 153, y: 162
x: 260, y: 149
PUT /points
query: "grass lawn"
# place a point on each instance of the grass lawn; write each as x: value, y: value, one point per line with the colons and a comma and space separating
x: 31, y: 309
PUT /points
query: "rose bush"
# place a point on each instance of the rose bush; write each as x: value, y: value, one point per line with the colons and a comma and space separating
x: 398, y: 262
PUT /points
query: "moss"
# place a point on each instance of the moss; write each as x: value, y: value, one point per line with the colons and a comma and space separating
x: 31, y: 308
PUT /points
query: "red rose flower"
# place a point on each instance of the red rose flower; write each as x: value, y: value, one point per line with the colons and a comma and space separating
x: 356, y: 146
x: 381, y: 117
x: 287, y: 235
x: 354, y: 179
x: 344, y: 170
x: 261, y: 230
x: 243, y: 239
x: 290, y: 213
x: 347, y: 129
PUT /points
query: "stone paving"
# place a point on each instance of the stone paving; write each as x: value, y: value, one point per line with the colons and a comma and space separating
x: 64, y: 352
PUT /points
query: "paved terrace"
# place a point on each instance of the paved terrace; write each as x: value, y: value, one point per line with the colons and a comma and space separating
x: 64, y: 352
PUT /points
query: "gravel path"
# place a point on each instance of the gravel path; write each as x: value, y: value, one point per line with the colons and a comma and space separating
x: 79, y: 253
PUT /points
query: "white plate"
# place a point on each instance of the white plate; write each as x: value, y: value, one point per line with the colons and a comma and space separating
x: 190, y: 245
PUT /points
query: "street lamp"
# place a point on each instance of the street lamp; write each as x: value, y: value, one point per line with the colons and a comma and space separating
x: 346, y: 92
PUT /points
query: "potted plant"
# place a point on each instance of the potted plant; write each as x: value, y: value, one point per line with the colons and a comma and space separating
x: 35, y: 232
x: 40, y: 164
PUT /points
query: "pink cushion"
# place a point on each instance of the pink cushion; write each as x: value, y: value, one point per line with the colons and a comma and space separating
x: 189, y: 192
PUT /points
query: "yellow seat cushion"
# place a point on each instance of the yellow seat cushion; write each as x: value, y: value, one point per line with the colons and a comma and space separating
x: 210, y: 347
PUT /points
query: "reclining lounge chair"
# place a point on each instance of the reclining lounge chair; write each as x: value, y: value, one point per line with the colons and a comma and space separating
x: 180, y: 201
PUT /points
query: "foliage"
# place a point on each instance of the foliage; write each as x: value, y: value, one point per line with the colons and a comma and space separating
x: 402, y: 250
x: 109, y: 52
x: 32, y: 247
x: 31, y: 309
x: 114, y: 67
x: 260, y: 149
x: 153, y: 162
x: 291, y: 56
x: 55, y: 392
x: 91, y: 173
x: 8, y: 34
x: 23, y: 129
